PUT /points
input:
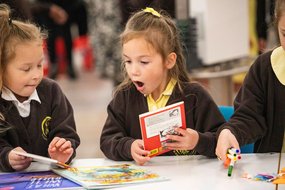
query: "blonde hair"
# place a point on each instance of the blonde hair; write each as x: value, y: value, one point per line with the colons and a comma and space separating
x: 13, y: 32
x: 4, y: 125
x: 162, y: 33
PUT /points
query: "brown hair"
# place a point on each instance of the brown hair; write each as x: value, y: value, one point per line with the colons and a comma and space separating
x: 279, y: 10
x: 162, y: 33
x: 13, y: 32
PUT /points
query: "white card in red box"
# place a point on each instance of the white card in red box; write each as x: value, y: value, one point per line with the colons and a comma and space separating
x: 155, y: 125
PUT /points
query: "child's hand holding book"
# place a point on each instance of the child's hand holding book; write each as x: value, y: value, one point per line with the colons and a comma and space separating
x: 139, y: 155
x: 186, y: 140
x: 19, y: 162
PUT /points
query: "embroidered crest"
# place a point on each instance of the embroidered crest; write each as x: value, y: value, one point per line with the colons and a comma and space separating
x: 45, y: 127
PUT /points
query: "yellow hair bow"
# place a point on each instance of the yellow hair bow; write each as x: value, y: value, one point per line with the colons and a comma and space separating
x: 152, y: 11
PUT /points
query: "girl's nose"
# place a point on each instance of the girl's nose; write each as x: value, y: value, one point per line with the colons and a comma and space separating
x: 38, y: 73
x: 135, y: 69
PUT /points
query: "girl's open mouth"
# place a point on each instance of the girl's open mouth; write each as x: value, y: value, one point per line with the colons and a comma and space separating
x: 139, y: 85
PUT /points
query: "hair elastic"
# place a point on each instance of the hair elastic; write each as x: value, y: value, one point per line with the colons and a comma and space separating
x: 152, y: 11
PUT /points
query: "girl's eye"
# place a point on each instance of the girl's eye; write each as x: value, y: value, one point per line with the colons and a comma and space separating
x: 127, y: 62
x: 40, y: 65
x: 144, y: 62
x: 26, y: 69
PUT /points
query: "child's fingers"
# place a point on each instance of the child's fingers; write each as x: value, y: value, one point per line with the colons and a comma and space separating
x: 15, y: 157
x: 57, y: 142
x: 141, y: 152
x: 21, y: 166
x: 181, y: 131
x: 142, y: 160
x: 19, y: 161
x: 221, y: 151
x: 235, y: 144
x: 54, y: 141
x: 65, y: 145
x: 138, y: 148
x: 174, y: 137
x: 174, y: 146
x: 68, y: 151
x: 60, y: 142
x: 142, y: 157
x: 139, y: 155
x: 226, y: 140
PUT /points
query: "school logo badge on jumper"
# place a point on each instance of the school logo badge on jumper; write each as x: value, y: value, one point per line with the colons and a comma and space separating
x: 45, y: 127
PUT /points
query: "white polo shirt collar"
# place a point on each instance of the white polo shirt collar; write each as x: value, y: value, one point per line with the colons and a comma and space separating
x: 23, y: 107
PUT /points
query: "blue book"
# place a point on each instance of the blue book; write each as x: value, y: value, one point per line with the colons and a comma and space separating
x: 36, y: 180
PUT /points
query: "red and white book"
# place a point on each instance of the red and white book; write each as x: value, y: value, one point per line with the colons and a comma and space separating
x: 155, y: 125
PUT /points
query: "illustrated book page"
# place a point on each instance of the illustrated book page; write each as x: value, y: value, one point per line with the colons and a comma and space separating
x: 157, y: 124
x: 109, y: 176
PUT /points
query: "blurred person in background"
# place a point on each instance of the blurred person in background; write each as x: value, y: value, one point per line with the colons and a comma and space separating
x: 264, y: 20
x: 57, y: 16
x: 20, y: 9
x: 107, y: 19
x: 105, y: 27
x: 130, y: 6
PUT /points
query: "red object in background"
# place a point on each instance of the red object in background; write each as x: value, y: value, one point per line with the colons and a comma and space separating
x: 60, y: 54
x: 46, y: 58
x: 80, y: 43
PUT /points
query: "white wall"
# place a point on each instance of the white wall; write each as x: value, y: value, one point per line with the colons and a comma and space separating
x: 223, y: 31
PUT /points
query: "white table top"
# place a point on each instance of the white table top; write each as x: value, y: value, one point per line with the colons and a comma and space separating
x: 196, y: 172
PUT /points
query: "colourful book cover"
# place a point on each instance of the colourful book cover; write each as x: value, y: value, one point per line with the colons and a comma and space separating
x: 155, y: 125
x: 35, y: 180
x: 100, y: 177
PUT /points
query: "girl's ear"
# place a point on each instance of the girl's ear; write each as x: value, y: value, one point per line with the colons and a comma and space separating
x: 171, y: 60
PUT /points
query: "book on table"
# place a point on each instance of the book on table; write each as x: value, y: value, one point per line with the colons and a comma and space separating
x: 67, y: 176
x: 35, y: 180
x: 156, y: 125
x: 101, y: 177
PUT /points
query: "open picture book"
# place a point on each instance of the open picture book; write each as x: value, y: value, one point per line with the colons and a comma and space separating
x: 156, y: 125
x: 101, y: 177
x: 89, y: 177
